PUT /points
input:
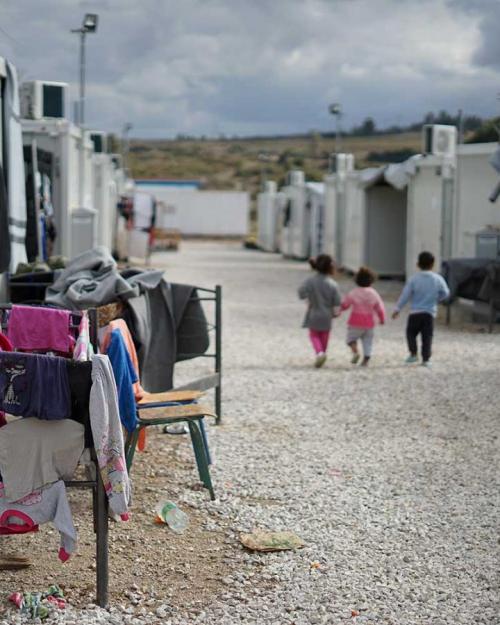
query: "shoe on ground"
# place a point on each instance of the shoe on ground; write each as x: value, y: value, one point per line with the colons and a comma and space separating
x: 366, y: 362
x: 320, y: 360
x: 427, y: 363
x: 411, y: 360
x: 355, y: 359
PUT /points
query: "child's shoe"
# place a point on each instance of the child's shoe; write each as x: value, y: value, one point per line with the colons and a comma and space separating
x: 366, y: 361
x: 320, y: 360
x: 355, y: 359
x: 411, y: 359
x: 427, y: 363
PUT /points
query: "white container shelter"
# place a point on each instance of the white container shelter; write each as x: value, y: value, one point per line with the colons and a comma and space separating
x: 12, y: 163
x: 315, y: 204
x: 475, y: 180
x: 58, y: 142
x: 105, y: 198
x: 295, y: 231
x: 269, y: 217
x: 350, y: 233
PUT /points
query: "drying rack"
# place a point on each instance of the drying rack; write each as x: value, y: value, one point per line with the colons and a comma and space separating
x: 213, y: 380
x: 99, y: 498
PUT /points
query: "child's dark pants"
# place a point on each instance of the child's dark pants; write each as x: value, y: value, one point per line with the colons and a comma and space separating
x: 420, y: 323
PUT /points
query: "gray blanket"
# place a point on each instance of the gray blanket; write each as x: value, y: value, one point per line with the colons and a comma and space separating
x: 167, y: 324
x: 92, y: 279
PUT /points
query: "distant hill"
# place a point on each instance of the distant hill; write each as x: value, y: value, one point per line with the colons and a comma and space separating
x: 242, y: 163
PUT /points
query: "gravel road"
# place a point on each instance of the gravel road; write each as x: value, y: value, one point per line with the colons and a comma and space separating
x: 390, y: 474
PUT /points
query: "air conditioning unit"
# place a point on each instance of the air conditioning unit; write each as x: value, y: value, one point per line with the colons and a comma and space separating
x: 100, y: 141
x: 344, y: 163
x: 439, y: 140
x: 40, y: 99
x: 296, y: 177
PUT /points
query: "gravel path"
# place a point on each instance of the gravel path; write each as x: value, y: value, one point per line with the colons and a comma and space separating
x: 390, y: 474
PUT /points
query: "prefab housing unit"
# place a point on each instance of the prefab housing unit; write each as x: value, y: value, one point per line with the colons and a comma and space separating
x: 330, y: 234
x: 57, y: 143
x: 195, y: 212
x: 385, y: 227
x: 14, y: 224
x: 475, y: 180
x: 315, y: 204
x: 269, y: 217
x: 295, y: 232
x: 105, y: 198
x: 335, y: 199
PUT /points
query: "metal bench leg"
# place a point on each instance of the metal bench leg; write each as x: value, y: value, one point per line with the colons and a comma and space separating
x: 201, y: 455
x: 101, y: 523
x: 130, y: 446
x: 203, y: 431
x: 218, y: 352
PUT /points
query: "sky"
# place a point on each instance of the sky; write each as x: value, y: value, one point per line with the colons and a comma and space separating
x: 247, y: 67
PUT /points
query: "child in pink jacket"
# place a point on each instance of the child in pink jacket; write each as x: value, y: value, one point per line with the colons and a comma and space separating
x: 365, y: 304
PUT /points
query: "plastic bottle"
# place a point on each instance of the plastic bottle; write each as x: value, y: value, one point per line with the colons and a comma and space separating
x: 173, y: 516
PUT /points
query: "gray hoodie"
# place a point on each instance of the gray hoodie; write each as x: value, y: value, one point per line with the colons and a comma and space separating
x: 322, y: 293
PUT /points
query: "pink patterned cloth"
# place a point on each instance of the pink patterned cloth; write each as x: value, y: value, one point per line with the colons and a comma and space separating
x: 36, y: 328
x: 366, y: 304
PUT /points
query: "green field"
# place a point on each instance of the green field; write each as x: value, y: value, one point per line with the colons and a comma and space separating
x: 241, y: 164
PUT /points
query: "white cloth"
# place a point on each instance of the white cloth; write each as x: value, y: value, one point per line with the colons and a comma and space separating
x: 143, y: 210
x: 43, y: 506
x: 35, y: 453
x: 15, y: 170
x: 107, y: 434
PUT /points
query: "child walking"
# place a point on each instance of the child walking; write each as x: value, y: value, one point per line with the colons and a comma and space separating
x: 322, y: 294
x: 423, y: 290
x: 366, y: 304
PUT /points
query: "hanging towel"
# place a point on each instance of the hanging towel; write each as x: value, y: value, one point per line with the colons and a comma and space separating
x: 35, y: 328
x: 45, y: 505
x: 33, y: 385
x: 108, y: 436
x: 120, y: 324
x: 35, y: 453
x: 125, y: 378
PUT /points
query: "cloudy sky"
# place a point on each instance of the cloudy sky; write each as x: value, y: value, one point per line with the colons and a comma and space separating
x: 262, y: 66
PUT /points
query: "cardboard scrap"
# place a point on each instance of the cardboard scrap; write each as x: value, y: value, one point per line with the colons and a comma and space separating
x: 271, y: 541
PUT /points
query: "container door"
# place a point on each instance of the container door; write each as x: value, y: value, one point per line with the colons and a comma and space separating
x: 386, y: 230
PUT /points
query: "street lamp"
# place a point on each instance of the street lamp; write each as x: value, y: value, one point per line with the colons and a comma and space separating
x: 336, y: 110
x: 89, y: 25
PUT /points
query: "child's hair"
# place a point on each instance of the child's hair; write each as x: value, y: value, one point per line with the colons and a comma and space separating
x: 323, y: 263
x: 365, y: 277
x: 425, y: 260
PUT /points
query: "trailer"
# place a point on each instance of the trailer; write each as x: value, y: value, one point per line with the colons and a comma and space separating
x: 69, y: 181
x: 315, y: 204
x: 476, y: 177
x: 295, y: 232
x: 14, y: 225
x: 106, y: 194
x: 269, y: 217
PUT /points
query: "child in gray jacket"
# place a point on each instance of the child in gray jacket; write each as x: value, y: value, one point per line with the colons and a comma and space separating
x: 323, y: 298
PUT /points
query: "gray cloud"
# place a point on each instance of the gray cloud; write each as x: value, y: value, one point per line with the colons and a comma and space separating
x: 261, y: 66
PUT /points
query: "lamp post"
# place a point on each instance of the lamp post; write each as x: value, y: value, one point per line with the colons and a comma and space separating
x: 84, y: 215
x: 336, y: 110
x: 89, y: 25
